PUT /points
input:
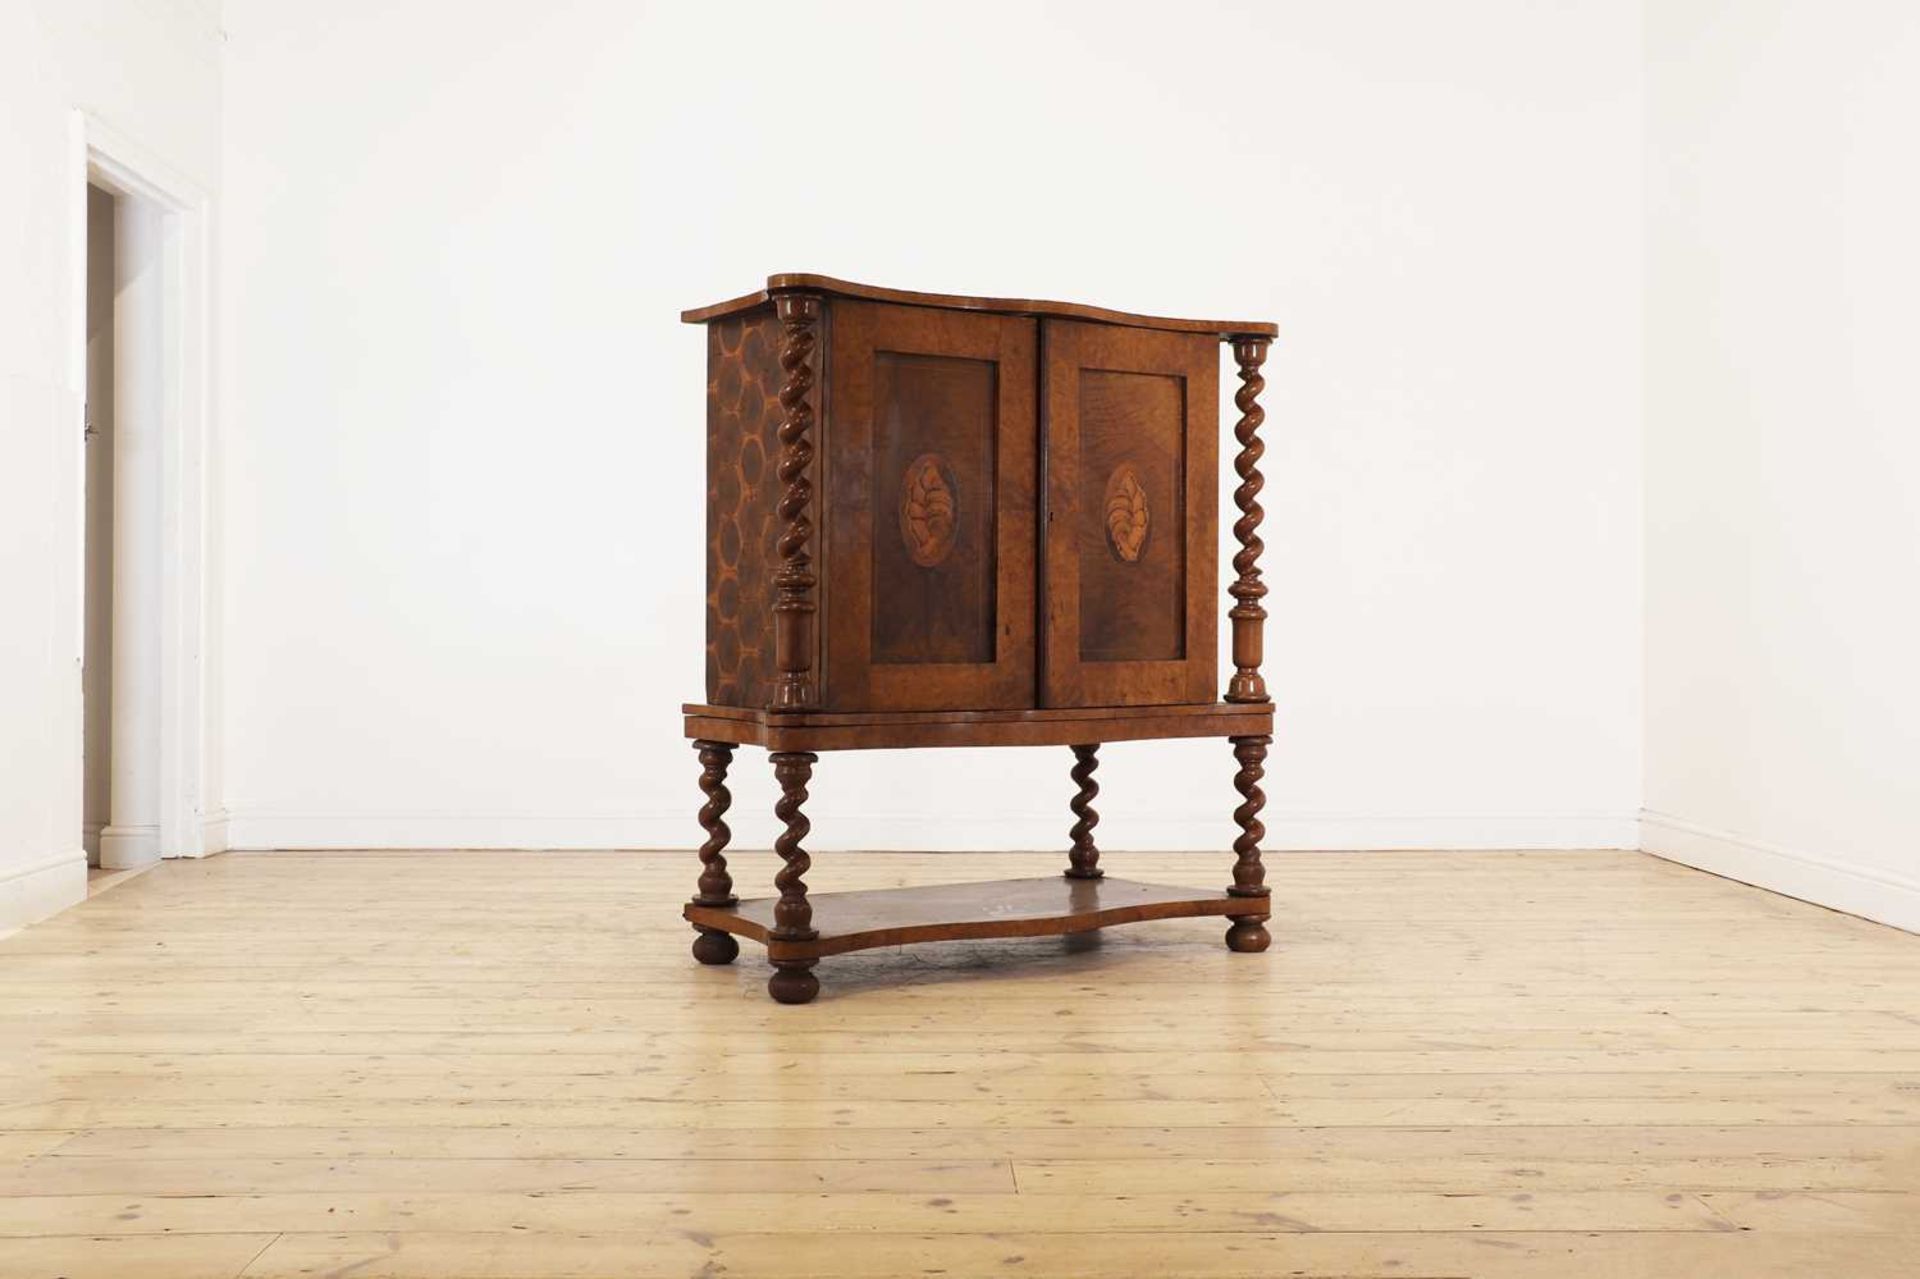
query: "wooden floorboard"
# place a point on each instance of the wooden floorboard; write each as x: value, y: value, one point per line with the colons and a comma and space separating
x: 506, y: 1066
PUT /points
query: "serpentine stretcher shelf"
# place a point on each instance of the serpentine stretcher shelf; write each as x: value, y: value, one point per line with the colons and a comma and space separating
x: 995, y: 908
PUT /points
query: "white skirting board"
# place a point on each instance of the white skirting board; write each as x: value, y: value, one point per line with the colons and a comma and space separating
x: 214, y: 833
x: 832, y: 832
x: 29, y: 894
x: 1810, y: 877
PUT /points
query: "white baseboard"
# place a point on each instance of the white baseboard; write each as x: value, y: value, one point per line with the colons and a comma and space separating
x: 215, y: 830
x: 265, y: 829
x: 1810, y: 877
x: 29, y: 894
x: 125, y: 847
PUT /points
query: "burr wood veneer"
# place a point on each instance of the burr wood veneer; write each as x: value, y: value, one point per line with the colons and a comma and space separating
x: 936, y: 520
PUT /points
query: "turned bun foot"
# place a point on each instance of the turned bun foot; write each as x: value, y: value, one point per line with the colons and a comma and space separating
x: 1248, y: 936
x: 793, y: 984
x: 715, y: 947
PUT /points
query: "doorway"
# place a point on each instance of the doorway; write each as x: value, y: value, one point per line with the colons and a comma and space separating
x: 139, y: 359
x: 124, y: 418
x: 96, y: 661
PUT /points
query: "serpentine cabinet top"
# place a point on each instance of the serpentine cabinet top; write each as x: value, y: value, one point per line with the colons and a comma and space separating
x: 800, y: 282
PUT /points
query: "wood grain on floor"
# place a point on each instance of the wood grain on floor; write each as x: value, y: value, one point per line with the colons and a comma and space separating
x: 506, y: 1066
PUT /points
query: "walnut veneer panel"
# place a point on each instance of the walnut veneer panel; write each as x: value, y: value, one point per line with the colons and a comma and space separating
x: 1132, y: 516
x: 932, y: 459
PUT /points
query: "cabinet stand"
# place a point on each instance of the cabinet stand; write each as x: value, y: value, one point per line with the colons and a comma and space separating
x: 799, y: 929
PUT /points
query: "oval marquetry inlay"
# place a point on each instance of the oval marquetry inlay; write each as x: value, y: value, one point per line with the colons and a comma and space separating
x: 1126, y: 513
x: 927, y: 509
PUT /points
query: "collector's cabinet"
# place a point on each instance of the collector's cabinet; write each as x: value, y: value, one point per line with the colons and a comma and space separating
x: 936, y: 520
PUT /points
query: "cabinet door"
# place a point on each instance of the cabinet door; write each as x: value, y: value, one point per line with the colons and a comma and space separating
x: 1130, y: 425
x: 932, y: 439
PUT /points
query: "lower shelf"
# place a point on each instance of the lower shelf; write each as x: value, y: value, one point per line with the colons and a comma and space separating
x: 998, y: 908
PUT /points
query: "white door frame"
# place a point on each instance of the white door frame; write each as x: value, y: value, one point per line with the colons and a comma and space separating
x: 190, y: 825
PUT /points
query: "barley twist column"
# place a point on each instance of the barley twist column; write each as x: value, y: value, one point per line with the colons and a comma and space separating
x: 793, y: 981
x: 794, y: 580
x: 712, y: 946
x: 1248, y: 615
x: 1248, y: 932
x: 1084, y: 857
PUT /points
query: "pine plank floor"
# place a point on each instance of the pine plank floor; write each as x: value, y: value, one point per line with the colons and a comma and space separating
x: 506, y: 1066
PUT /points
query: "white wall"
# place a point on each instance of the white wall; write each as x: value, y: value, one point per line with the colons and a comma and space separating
x: 465, y: 540
x: 465, y: 534
x: 1783, y: 448
x: 151, y: 72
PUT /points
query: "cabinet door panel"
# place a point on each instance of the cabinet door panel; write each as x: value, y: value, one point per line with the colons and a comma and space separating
x: 933, y: 453
x: 933, y: 509
x: 1130, y: 426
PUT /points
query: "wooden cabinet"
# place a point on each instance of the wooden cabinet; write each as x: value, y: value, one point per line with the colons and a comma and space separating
x: 936, y: 520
